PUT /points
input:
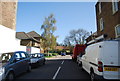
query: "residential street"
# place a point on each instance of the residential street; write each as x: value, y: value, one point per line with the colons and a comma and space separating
x: 57, y: 68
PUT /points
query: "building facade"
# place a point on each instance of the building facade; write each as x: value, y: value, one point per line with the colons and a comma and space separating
x: 8, y: 12
x: 8, y: 26
x: 108, y: 19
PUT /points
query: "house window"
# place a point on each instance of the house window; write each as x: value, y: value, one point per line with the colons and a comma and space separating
x: 115, y: 6
x: 117, y: 30
x: 101, y: 24
x: 99, y: 7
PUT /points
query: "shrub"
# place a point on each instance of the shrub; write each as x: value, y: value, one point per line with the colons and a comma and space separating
x: 55, y: 54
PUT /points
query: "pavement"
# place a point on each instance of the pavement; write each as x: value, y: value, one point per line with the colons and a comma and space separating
x: 58, y: 57
x: 56, y: 68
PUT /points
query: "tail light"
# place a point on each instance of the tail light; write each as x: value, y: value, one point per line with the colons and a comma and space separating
x: 100, y: 66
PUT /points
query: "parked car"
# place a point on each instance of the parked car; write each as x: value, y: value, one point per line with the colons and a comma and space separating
x: 13, y: 64
x: 37, y: 59
x: 63, y: 54
x: 79, y: 58
x: 101, y: 60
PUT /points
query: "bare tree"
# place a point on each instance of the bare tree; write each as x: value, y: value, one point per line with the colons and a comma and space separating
x: 76, y: 37
x: 67, y: 41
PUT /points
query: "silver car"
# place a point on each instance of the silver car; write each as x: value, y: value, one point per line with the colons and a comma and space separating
x: 37, y: 59
x: 13, y: 64
x: 79, y: 59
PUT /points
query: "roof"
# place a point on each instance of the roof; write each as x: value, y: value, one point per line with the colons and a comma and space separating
x: 33, y: 34
x: 22, y: 35
x: 61, y: 47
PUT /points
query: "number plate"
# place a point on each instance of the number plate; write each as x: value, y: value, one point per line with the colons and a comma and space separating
x: 110, y: 69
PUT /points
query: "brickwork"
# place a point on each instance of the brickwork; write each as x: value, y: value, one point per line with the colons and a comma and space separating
x: 8, y: 14
x: 110, y: 19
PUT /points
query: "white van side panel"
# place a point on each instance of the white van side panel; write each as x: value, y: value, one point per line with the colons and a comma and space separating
x: 92, y: 56
x: 95, y: 57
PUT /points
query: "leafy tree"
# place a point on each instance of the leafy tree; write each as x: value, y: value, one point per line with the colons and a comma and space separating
x: 49, y: 28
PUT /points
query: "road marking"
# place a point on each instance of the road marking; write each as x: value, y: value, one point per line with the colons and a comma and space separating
x: 62, y: 62
x: 56, y: 73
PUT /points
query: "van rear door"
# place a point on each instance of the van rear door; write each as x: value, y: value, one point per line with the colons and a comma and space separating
x: 111, y: 69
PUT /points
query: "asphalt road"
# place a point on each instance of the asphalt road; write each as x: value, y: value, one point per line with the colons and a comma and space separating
x: 57, y: 68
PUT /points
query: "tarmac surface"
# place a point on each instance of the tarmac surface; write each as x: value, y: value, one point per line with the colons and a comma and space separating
x: 56, y: 68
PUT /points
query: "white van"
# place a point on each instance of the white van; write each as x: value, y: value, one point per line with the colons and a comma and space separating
x: 102, y: 60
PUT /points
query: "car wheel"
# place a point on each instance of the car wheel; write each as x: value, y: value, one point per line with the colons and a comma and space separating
x: 10, y: 76
x: 29, y: 68
x: 92, y: 76
x: 38, y: 64
x: 44, y: 62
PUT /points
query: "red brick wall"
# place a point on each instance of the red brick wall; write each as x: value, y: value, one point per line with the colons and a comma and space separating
x: 110, y: 19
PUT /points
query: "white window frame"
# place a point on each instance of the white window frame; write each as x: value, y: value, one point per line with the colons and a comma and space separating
x: 116, y: 30
x: 99, y: 7
x: 114, y: 6
x: 101, y: 24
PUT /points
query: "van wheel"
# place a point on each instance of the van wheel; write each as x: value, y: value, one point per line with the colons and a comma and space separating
x: 10, y: 76
x: 92, y: 76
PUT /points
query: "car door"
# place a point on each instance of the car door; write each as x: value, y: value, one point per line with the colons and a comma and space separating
x: 40, y: 59
x: 16, y: 64
x: 24, y: 60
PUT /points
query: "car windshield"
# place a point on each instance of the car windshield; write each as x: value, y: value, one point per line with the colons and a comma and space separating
x: 5, y: 57
x: 34, y: 55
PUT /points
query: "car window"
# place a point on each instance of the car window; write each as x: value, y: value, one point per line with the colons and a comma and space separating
x: 42, y: 55
x: 23, y: 55
x: 5, y: 57
x: 34, y: 55
x: 39, y: 55
x: 81, y: 55
x: 17, y: 56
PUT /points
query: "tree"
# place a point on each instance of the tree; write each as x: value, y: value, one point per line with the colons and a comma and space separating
x: 67, y: 41
x: 49, y: 28
x: 76, y: 37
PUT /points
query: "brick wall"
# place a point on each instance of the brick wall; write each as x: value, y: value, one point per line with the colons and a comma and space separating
x: 8, y: 14
x: 110, y: 19
x: 0, y: 12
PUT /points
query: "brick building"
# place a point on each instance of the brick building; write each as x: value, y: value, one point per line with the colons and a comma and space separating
x: 108, y: 19
x: 8, y: 26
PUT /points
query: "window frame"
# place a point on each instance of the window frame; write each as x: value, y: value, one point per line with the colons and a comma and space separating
x: 115, y: 7
x: 101, y: 24
x: 100, y: 7
x: 22, y: 55
x: 15, y: 56
x: 118, y: 25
